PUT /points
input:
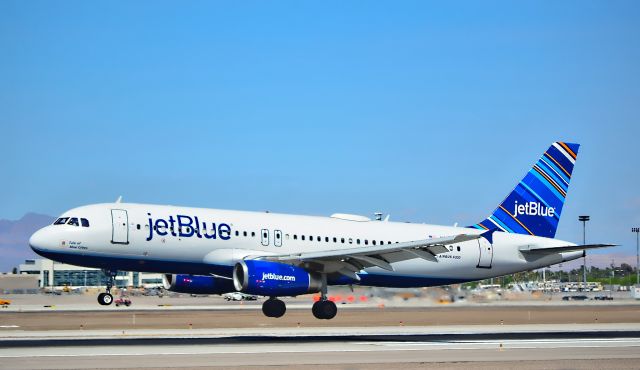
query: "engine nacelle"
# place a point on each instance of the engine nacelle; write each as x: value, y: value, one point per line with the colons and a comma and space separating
x: 197, y: 284
x: 274, y: 279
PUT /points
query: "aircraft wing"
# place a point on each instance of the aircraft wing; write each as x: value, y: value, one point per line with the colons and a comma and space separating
x: 348, y: 261
x: 561, y: 249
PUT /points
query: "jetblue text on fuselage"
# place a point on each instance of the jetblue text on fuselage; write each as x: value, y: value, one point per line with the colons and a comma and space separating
x: 272, y: 276
x: 188, y: 226
x: 533, y: 209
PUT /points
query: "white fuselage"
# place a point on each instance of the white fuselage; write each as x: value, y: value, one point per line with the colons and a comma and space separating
x: 142, y: 237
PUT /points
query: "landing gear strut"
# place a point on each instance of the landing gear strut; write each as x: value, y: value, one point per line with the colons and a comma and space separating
x: 106, y: 299
x: 324, y: 309
x: 273, y: 307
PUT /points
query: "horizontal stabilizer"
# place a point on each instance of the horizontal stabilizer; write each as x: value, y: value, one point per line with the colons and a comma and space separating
x: 561, y: 249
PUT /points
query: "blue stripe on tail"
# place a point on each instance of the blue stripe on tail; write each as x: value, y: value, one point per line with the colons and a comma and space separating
x: 535, y: 205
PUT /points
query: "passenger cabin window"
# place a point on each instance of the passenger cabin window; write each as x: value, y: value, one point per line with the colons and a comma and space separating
x: 253, y: 234
x: 366, y: 242
x: 73, y: 221
x: 295, y: 236
x: 302, y: 237
x: 335, y: 240
x: 61, y: 221
x: 85, y: 222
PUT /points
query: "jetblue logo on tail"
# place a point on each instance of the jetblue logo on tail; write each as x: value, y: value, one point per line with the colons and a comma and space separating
x: 533, y: 209
x: 535, y: 204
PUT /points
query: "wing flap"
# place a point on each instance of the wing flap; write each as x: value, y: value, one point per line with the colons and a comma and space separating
x: 379, y: 262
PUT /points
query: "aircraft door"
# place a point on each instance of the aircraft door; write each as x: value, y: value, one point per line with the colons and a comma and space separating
x: 264, y: 235
x: 120, y: 226
x: 277, y: 238
x: 486, y: 253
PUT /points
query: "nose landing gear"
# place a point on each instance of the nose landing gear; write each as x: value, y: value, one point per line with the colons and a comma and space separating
x: 106, y: 299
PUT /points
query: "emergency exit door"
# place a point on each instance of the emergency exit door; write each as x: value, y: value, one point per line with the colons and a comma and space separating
x: 264, y: 237
x: 120, y: 226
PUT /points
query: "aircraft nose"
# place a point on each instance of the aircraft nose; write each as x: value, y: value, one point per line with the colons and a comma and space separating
x: 41, y: 240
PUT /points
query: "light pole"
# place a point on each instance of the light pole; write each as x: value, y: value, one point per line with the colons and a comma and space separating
x: 584, y: 220
x: 637, y: 231
x: 613, y: 269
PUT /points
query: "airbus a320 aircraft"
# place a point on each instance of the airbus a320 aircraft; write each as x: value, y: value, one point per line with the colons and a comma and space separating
x: 210, y: 251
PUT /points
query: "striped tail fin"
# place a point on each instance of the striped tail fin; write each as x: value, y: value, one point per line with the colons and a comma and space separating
x: 535, y: 205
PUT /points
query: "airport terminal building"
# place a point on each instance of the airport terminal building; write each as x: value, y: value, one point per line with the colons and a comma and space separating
x: 55, y: 274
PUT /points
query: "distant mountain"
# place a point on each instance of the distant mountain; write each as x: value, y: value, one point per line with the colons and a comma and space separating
x: 14, y: 239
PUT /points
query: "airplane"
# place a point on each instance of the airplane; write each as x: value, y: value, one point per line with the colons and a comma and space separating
x: 211, y: 251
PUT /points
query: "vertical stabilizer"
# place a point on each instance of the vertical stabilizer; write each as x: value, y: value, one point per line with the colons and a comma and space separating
x: 535, y: 205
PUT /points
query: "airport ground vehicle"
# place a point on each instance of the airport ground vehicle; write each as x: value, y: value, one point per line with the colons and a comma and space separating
x: 122, y: 301
x: 237, y: 296
x: 4, y: 302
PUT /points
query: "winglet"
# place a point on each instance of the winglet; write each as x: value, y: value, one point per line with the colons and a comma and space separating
x: 489, y: 235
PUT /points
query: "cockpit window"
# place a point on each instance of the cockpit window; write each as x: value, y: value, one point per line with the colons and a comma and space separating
x: 85, y: 222
x: 73, y: 221
x: 61, y: 221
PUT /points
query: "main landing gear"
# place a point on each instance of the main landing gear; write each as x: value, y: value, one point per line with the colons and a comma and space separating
x: 273, y: 307
x: 324, y: 309
x: 106, y: 299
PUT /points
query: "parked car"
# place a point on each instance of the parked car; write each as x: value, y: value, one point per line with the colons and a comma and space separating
x: 603, y: 298
x: 575, y: 298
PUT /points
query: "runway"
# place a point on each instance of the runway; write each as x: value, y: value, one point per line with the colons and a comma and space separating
x: 553, y: 336
x: 497, y: 346
x: 251, y: 317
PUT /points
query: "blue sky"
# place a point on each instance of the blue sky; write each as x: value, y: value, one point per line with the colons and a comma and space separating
x: 430, y: 112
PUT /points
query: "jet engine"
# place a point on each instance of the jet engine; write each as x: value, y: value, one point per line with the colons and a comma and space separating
x: 274, y: 279
x: 197, y: 284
